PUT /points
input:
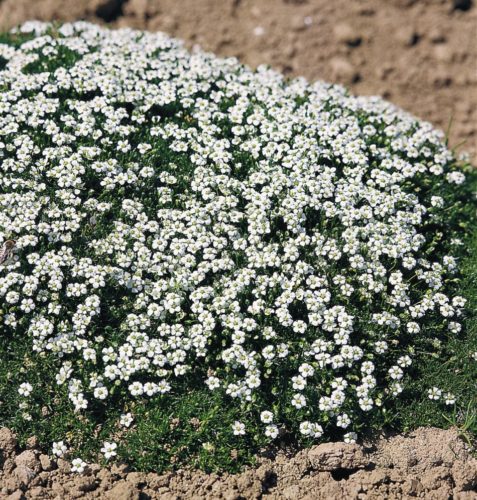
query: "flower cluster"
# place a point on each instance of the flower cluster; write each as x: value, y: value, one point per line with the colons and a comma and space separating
x: 180, y: 215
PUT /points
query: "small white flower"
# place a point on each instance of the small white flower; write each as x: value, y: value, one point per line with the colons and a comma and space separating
x: 109, y: 450
x: 25, y: 389
x: 350, y: 437
x: 298, y: 401
x: 317, y: 430
x: 413, y: 327
x: 311, y: 429
x: 343, y: 421
x: 455, y: 177
x: 306, y: 428
x: 306, y: 370
x: 212, y: 383
x: 136, y: 389
x: 266, y: 417
x: 449, y: 399
x: 271, y: 431
x: 126, y: 419
x: 78, y: 465
x: 434, y: 393
x: 101, y: 392
x: 59, y: 448
x: 396, y: 373
x: 238, y: 428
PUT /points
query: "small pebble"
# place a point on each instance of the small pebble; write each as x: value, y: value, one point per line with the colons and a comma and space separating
x: 343, y: 71
x: 345, y: 33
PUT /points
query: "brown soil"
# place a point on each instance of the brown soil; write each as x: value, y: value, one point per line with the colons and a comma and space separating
x: 428, y: 463
x: 419, y: 54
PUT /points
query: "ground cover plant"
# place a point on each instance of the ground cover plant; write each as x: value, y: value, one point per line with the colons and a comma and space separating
x: 200, y: 260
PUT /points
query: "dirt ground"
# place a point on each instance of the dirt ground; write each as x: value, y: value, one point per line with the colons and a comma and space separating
x: 429, y: 463
x: 419, y: 54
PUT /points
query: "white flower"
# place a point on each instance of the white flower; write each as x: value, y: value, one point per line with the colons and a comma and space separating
x: 101, y: 392
x: 350, y: 437
x: 396, y: 388
x: 437, y: 201
x: 317, y: 430
x: 434, y: 393
x: 136, y: 389
x: 59, y: 448
x: 306, y: 428
x: 456, y: 177
x: 343, y: 421
x: 212, y: 383
x: 306, y: 370
x: 449, y: 399
x: 25, y: 389
x: 143, y: 148
x: 311, y: 429
x: 395, y: 373
x: 271, y: 431
x: 413, y: 327
x: 299, y: 383
x: 77, y: 465
x: 366, y: 403
x: 298, y: 401
x: 238, y: 428
x: 126, y: 419
x: 109, y: 450
x: 150, y: 388
x: 266, y: 417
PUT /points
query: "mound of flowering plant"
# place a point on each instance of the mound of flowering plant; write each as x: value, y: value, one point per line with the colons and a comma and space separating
x: 175, y: 222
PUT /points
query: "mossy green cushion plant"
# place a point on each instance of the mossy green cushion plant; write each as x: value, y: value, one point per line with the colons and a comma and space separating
x: 207, y: 258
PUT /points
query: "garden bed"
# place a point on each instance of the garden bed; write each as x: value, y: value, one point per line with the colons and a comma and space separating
x: 202, y: 263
